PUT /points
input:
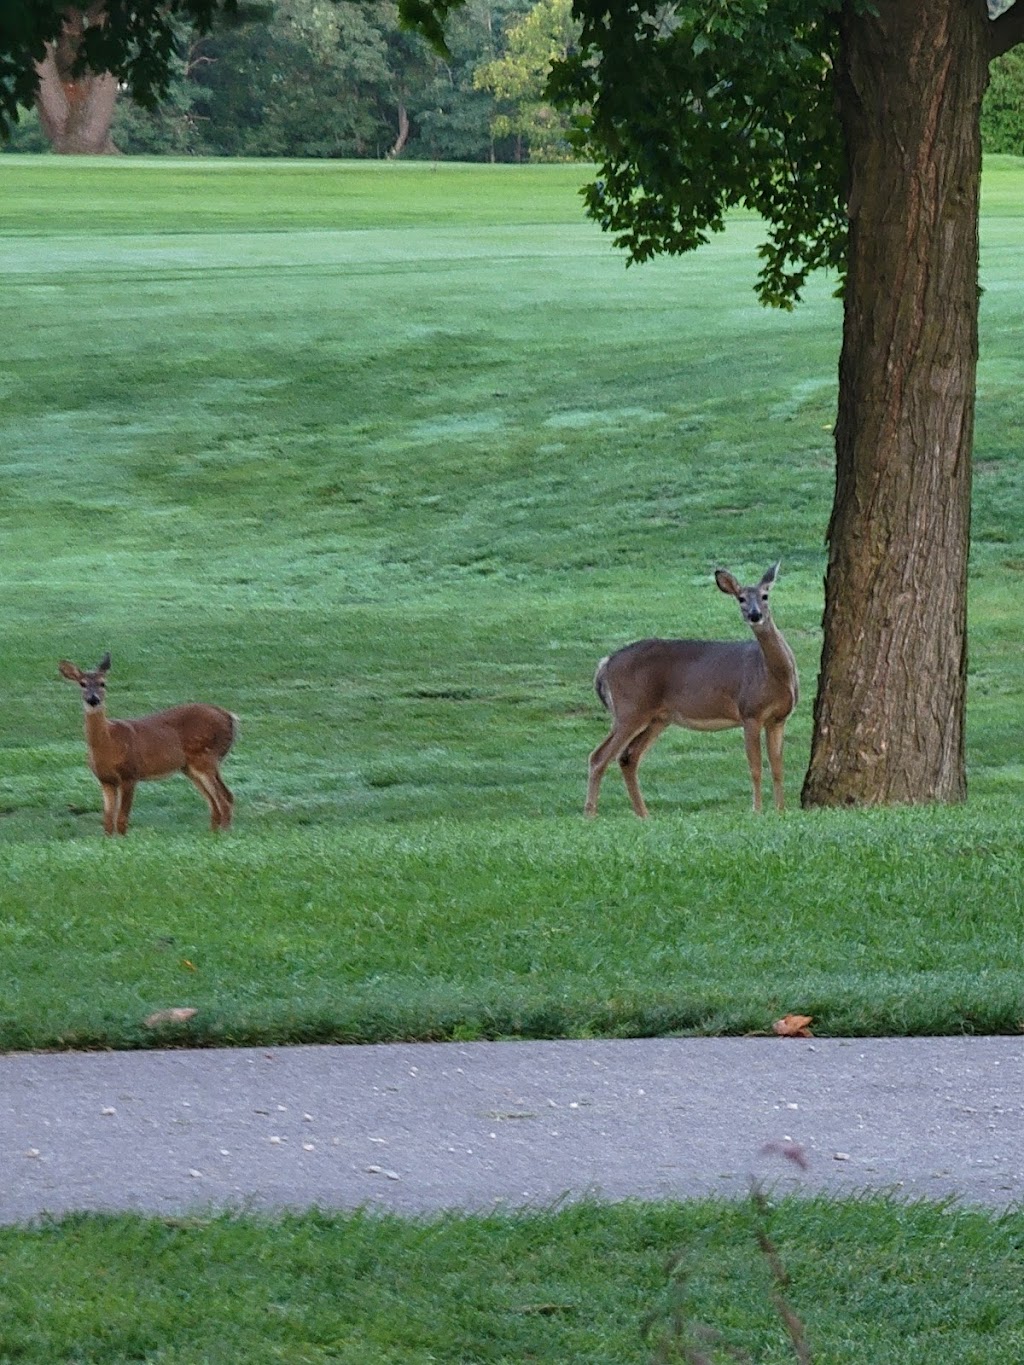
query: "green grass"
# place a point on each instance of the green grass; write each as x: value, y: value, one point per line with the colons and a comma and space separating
x: 435, y: 929
x: 871, y: 1280
x: 384, y: 459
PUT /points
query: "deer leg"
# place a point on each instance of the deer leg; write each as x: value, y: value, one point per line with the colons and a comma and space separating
x: 207, y: 785
x: 110, y: 794
x: 773, y: 743
x: 227, y: 800
x: 629, y: 761
x: 125, y: 807
x: 752, y: 739
x: 605, y: 753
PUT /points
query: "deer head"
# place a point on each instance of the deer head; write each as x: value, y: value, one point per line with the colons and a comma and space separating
x: 754, y: 600
x: 93, y: 684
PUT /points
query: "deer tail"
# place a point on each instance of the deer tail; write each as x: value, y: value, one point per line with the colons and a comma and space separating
x: 601, y: 685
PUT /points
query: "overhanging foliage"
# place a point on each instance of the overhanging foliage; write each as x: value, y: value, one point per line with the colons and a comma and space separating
x: 696, y: 109
x: 134, y: 39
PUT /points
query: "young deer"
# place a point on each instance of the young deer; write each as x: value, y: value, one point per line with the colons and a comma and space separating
x: 701, y: 684
x: 190, y: 739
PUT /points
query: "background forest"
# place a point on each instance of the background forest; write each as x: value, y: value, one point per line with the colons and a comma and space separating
x: 315, y: 78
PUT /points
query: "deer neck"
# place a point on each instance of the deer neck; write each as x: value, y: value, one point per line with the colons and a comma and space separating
x: 97, y: 727
x: 777, y: 654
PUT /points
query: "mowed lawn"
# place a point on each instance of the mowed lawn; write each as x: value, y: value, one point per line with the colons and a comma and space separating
x: 869, y: 1280
x: 384, y: 458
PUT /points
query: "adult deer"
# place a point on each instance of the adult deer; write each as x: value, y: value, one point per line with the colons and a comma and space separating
x: 191, y: 739
x: 701, y: 684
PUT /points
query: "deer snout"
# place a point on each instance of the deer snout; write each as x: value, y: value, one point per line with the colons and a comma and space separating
x: 754, y: 616
x: 92, y: 697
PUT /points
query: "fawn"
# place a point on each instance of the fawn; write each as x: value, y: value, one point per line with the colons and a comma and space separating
x: 703, y: 685
x: 191, y: 739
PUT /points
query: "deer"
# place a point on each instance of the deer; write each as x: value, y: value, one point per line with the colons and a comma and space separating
x: 193, y: 739
x: 702, y: 685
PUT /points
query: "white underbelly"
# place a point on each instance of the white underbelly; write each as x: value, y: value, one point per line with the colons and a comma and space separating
x: 690, y: 724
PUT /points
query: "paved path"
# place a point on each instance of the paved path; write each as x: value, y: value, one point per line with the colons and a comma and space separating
x: 431, y: 1126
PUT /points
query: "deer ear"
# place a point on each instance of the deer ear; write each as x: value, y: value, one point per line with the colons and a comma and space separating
x: 770, y: 575
x: 104, y: 664
x: 66, y: 669
x: 727, y: 583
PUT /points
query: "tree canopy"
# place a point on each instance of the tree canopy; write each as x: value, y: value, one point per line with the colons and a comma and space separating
x: 519, y: 78
x: 316, y: 78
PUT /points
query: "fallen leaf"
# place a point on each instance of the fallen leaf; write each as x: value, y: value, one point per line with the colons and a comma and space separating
x: 190, y: 965
x: 793, y: 1026
x: 175, y: 1016
x: 792, y: 1151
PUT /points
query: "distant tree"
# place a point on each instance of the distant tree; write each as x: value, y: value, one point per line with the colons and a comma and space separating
x: 410, y: 67
x: 519, y: 80
x: 453, y: 117
x: 75, y: 108
x: 299, y: 78
x: 344, y: 79
x: 306, y: 82
x: 27, y: 135
x: 71, y: 60
x: 1002, y: 112
x: 171, y: 128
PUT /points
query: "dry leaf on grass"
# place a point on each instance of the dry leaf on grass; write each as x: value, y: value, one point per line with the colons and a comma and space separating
x: 793, y: 1026
x: 175, y: 1016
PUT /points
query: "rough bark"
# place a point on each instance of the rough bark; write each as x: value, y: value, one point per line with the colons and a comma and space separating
x: 889, y: 714
x: 75, y: 110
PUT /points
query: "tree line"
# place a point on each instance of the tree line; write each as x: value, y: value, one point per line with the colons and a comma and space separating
x: 343, y: 78
x: 315, y: 78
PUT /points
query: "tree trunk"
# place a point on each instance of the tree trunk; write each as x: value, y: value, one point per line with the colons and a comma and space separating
x: 403, y: 133
x: 75, y: 111
x: 889, y: 714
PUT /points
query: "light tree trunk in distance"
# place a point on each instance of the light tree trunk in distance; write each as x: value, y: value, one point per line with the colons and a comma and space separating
x: 75, y: 111
x: 403, y: 133
x: 889, y: 713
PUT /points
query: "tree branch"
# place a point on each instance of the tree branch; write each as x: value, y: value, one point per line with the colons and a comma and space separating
x: 1006, y: 31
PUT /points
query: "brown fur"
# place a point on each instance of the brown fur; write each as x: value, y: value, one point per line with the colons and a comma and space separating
x: 703, y: 685
x: 192, y: 739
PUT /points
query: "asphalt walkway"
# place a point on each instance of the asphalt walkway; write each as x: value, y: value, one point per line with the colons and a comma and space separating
x: 420, y: 1127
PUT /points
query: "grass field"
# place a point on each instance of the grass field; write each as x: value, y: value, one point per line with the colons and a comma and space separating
x: 870, y: 1280
x: 384, y: 459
